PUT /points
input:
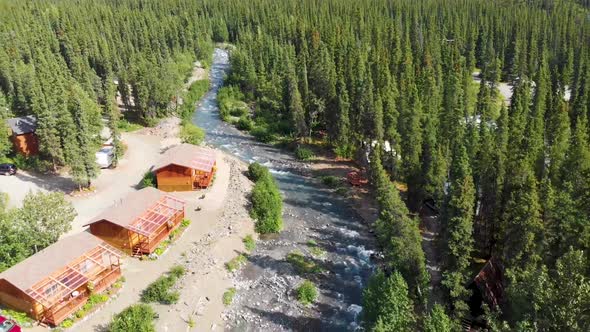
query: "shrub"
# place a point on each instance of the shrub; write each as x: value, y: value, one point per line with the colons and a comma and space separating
x: 342, y: 191
x: 236, y: 262
x: 307, y: 293
x: 302, y: 264
x: 244, y: 123
x: 95, y: 299
x: 159, y: 290
x: 228, y: 296
x: 257, y: 171
x: 20, y: 317
x: 185, y: 223
x: 66, y: 324
x: 178, y: 271
x: 267, y: 206
x: 304, y: 153
x: 238, y: 111
x: 262, y: 134
x: 138, y: 317
x: 148, y: 180
x: 33, y: 163
x: 189, y: 133
x: 249, y: 243
x: 344, y: 151
x: 330, y: 181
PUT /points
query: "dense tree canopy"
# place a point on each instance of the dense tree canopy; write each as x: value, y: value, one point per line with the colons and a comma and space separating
x: 393, y: 79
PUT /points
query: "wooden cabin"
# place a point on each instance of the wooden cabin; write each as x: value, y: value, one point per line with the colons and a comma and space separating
x: 57, y: 281
x: 139, y: 222
x: 23, y: 135
x: 185, y: 167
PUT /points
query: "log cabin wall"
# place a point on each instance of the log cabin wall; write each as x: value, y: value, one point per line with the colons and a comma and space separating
x: 15, y: 299
x: 113, y: 234
x: 26, y: 144
x: 174, y: 178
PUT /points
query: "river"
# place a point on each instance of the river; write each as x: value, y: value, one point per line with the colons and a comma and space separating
x: 265, y: 298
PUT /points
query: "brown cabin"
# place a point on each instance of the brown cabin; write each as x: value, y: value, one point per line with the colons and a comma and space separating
x: 57, y: 281
x: 23, y: 135
x: 139, y: 222
x: 185, y: 167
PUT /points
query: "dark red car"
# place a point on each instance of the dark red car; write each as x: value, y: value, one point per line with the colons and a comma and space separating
x: 8, y: 325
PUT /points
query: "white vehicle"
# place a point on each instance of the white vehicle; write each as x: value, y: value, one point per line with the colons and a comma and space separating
x: 104, y: 157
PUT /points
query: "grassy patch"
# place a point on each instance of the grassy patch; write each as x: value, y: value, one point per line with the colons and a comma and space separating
x: 228, y: 296
x: 342, y: 191
x: 303, y: 264
x: 249, y: 243
x: 160, y: 290
x: 236, y: 262
x: 307, y: 293
x: 126, y: 126
x: 190, y: 133
x: 315, y: 250
x: 195, y: 92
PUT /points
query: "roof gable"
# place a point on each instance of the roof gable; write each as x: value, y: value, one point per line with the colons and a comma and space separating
x: 23, y: 125
x: 188, y: 155
x: 49, y: 260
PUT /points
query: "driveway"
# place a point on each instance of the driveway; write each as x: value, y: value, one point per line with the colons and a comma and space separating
x: 111, y: 185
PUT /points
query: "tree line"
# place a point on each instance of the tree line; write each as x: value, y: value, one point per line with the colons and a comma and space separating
x: 64, y: 62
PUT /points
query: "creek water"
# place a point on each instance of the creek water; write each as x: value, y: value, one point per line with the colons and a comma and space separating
x: 311, y: 212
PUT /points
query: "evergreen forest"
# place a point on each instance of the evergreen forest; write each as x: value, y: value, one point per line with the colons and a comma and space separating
x: 412, y: 90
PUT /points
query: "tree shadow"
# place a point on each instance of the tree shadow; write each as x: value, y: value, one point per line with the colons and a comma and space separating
x: 48, y: 182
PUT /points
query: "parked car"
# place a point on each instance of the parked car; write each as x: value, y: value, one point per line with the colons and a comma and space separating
x: 7, y: 169
x: 8, y: 325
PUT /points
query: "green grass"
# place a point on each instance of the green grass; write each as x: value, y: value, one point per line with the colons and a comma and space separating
x: 126, y: 126
x: 195, y: 92
x: 190, y: 133
x: 249, y: 243
x: 236, y: 262
x: 303, y: 264
x: 228, y: 296
x: 315, y: 250
x: 307, y: 293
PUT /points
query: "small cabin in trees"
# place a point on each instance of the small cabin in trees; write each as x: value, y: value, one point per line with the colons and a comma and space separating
x: 57, y: 281
x: 487, y: 287
x: 23, y: 135
x: 139, y: 222
x: 185, y: 167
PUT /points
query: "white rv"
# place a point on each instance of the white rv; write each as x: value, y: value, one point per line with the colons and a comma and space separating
x: 104, y: 157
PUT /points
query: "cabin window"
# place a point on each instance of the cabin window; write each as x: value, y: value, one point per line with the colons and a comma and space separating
x: 85, y: 266
x: 51, y: 289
